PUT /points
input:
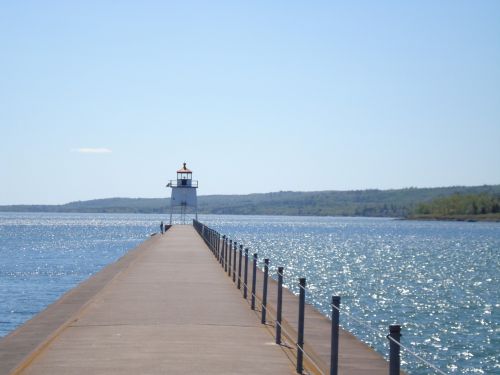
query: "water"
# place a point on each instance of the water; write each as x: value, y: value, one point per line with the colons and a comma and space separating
x: 44, y: 255
x: 438, y: 279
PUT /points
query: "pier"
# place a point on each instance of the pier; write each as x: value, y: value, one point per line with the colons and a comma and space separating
x: 171, y: 306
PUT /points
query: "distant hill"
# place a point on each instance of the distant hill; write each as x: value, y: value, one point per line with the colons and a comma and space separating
x: 469, y: 207
x: 384, y: 203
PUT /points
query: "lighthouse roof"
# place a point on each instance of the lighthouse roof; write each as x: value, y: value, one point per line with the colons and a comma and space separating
x: 184, y: 169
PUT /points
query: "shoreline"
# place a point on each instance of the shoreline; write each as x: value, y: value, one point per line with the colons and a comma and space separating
x: 465, y: 218
x: 491, y: 218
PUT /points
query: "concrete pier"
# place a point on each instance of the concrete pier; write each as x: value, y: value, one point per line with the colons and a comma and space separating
x: 168, y: 307
x: 355, y: 357
x: 164, y: 309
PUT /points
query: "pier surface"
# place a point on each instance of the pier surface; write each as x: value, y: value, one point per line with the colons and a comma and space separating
x: 168, y: 307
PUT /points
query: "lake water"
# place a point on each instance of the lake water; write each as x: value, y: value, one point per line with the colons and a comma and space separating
x: 439, y: 280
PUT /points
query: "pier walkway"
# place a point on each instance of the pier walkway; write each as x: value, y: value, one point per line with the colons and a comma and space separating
x: 164, y: 308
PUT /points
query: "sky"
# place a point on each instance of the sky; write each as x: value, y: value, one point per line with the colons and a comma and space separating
x: 104, y: 99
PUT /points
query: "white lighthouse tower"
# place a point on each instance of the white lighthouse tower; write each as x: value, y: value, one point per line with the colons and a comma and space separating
x: 183, y: 199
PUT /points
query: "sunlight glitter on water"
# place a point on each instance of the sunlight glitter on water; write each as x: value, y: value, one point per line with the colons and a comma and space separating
x: 42, y: 256
x: 439, y: 280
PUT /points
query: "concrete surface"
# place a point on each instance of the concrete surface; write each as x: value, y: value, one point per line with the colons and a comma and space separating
x: 166, y: 307
x: 355, y: 357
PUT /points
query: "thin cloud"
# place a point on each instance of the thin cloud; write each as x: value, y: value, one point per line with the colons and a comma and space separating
x: 88, y: 150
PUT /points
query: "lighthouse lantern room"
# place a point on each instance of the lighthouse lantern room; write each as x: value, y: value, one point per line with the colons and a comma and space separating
x: 183, y: 199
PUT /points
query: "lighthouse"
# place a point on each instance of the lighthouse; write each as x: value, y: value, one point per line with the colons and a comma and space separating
x: 183, y: 198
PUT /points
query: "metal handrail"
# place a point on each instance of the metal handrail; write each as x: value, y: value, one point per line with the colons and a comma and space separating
x: 175, y: 183
x: 213, y: 238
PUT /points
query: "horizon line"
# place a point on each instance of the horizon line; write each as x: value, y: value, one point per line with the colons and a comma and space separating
x: 246, y: 194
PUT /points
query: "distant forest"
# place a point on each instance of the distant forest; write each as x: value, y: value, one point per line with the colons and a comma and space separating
x: 381, y: 203
x: 457, y: 205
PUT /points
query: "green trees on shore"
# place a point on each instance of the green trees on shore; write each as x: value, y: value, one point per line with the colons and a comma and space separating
x: 458, y: 204
x: 449, y: 203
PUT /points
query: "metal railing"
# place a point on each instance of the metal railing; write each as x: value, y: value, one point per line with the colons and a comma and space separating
x: 225, y: 251
x: 189, y: 183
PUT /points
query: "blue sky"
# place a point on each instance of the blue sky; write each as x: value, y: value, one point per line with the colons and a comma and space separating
x: 255, y: 96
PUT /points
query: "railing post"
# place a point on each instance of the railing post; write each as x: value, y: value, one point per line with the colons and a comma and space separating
x: 254, y: 281
x: 234, y: 262
x: 225, y: 255
x: 239, y: 267
x: 279, y: 306
x: 224, y: 258
x: 222, y: 250
x: 300, y: 333
x: 245, y: 276
x: 394, y: 359
x: 217, y: 246
x: 230, y: 254
x: 264, y: 291
x: 334, y: 346
x: 221, y: 254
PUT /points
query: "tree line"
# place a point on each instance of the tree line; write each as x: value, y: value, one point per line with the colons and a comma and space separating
x: 408, y: 202
x: 461, y: 204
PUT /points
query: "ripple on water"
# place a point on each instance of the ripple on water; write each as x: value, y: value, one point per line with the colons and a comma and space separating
x: 439, y: 280
x: 44, y: 255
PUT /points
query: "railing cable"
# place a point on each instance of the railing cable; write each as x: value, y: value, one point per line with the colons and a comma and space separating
x: 201, y: 230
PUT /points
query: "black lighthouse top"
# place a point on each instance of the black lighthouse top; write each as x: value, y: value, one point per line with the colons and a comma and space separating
x: 184, y: 173
x: 184, y: 178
